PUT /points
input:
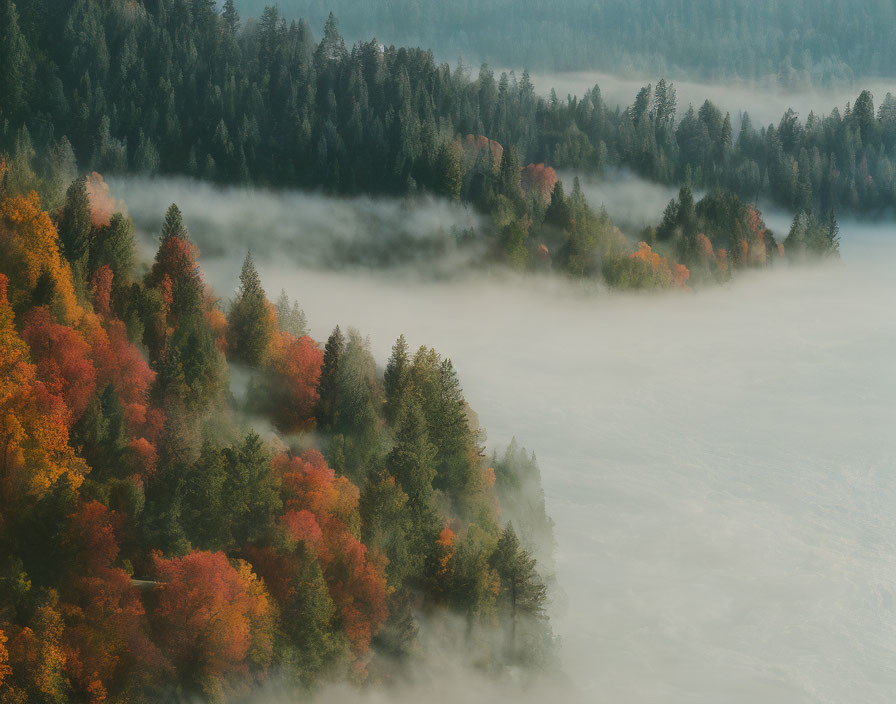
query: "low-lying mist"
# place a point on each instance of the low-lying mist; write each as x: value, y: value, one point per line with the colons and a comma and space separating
x: 718, y: 463
x: 718, y: 466
x: 765, y: 102
x: 308, y: 230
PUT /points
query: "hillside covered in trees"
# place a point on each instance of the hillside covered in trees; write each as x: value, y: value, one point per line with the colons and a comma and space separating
x: 167, y: 532
x: 175, y: 87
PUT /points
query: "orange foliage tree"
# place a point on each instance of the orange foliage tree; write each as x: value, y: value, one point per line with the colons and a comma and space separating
x: 662, y: 273
x: 538, y: 180
x: 29, y: 256
x: 322, y: 511
x: 288, y: 387
x: 34, y: 449
x: 214, y: 620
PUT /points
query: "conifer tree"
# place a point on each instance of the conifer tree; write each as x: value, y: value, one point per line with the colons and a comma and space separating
x: 249, y: 329
x: 396, y: 379
x: 522, y: 592
x: 328, y: 388
x: 74, y: 228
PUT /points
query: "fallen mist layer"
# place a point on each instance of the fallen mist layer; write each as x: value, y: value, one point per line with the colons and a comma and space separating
x: 308, y: 230
x: 717, y: 464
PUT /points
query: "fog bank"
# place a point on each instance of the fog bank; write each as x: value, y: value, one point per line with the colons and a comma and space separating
x: 719, y: 464
x: 306, y: 229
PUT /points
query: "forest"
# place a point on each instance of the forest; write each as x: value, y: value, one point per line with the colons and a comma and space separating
x: 172, y: 87
x: 197, y: 498
x: 196, y: 494
x: 798, y: 42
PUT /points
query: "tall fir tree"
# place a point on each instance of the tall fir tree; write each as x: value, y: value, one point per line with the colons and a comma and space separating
x: 250, y: 327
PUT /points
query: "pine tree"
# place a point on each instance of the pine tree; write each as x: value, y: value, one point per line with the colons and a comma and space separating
x: 16, y: 75
x: 290, y: 318
x: 522, y: 592
x: 412, y: 459
x: 396, y: 379
x: 74, y: 226
x: 231, y: 16
x: 250, y: 326
x: 328, y: 388
x: 174, y: 226
x: 448, y: 171
x: 510, y: 174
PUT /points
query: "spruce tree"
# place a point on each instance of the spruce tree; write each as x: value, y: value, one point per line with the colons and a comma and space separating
x: 249, y: 323
x: 327, y: 386
x: 74, y: 227
x: 396, y: 379
x: 522, y: 592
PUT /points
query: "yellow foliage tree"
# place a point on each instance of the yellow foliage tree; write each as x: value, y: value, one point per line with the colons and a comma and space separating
x: 29, y: 256
x: 34, y: 449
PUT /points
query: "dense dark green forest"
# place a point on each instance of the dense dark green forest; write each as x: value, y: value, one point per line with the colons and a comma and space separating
x: 801, y: 41
x: 176, y: 87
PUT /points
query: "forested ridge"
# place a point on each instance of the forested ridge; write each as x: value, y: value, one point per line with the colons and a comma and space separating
x: 176, y: 87
x: 798, y: 42
x: 155, y: 543
x: 173, y: 86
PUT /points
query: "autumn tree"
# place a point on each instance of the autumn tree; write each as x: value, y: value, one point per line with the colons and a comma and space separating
x: 63, y: 360
x: 214, y: 621
x: 34, y: 448
x: 287, y: 390
x: 175, y: 272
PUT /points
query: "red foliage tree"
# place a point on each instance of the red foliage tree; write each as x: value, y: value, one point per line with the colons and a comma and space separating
x: 538, y: 180
x: 481, y: 147
x: 105, y: 642
x: 214, y: 619
x: 101, y: 287
x: 34, y: 449
x: 63, y: 360
x: 290, y: 382
x: 355, y: 576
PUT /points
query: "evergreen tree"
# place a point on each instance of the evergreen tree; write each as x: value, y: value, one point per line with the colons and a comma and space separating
x: 231, y: 16
x: 449, y: 171
x: 328, y: 388
x: 522, y: 592
x: 17, y: 74
x: 250, y: 326
x: 75, y: 227
x: 396, y: 380
x: 250, y: 497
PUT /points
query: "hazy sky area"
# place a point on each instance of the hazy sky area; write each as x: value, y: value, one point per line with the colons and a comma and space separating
x: 719, y: 464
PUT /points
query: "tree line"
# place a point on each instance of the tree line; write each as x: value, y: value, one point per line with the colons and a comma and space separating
x: 800, y: 42
x: 176, y: 87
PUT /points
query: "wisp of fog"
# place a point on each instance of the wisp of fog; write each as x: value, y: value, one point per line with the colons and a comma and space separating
x: 719, y: 463
x: 307, y: 229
